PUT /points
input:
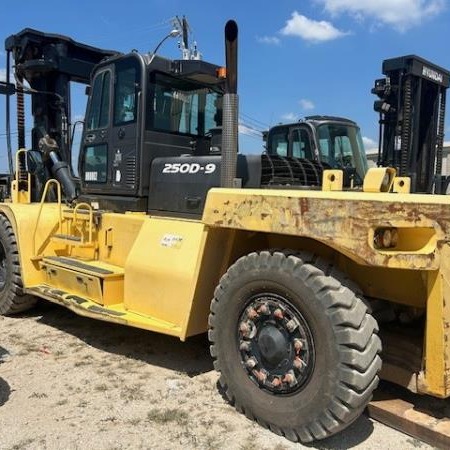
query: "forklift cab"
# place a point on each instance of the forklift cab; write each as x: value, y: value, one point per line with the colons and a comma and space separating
x: 333, y: 142
x: 142, y: 107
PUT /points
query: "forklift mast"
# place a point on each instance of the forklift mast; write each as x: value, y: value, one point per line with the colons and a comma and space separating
x: 48, y: 63
x: 412, y: 110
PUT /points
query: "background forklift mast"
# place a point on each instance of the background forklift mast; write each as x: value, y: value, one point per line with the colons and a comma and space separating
x: 412, y: 111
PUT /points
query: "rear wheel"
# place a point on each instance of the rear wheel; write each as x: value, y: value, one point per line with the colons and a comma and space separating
x: 12, y: 299
x: 296, y: 348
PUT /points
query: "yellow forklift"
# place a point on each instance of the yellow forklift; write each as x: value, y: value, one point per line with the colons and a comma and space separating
x: 292, y: 264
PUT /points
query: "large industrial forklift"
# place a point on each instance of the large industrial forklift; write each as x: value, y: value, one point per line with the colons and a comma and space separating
x: 291, y: 264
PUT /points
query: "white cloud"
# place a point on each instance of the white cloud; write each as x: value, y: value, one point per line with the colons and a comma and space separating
x: 248, y: 130
x: 400, y: 14
x: 290, y: 117
x: 310, y: 30
x: 306, y: 105
x: 369, y: 144
x: 271, y: 40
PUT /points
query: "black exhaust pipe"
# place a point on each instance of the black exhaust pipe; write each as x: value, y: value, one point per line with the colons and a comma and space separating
x: 230, y: 109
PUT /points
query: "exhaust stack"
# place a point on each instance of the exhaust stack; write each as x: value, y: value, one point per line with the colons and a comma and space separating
x: 230, y: 109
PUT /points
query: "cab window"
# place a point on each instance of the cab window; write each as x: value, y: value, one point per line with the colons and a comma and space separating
x: 126, y: 92
x: 178, y: 106
x: 98, y: 113
x: 301, y: 144
x: 95, y: 163
x: 278, y: 142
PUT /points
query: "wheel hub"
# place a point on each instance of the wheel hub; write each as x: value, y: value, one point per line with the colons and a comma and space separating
x: 275, y: 344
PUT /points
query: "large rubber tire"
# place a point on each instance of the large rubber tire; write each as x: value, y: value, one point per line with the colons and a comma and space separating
x: 344, y: 346
x: 12, y: 299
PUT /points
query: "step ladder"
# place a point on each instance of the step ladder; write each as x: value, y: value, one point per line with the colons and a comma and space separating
x: 93, y: 280
x: 75, y: 226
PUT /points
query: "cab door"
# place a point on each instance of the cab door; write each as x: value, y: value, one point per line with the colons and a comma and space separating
x: 301, y: 144
x: 93, y: 159
x: 125, y: 130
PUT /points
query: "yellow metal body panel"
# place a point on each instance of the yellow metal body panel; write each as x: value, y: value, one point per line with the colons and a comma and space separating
x: 162, y: 268
x: 332, y: 180
x: 435, y: 378
x: 379, y: 179
x: 116, y: 236
x: 76, y: 283
x: 23, y: 218
x: 114, y: 313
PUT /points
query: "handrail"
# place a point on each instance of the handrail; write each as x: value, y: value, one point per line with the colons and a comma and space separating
x: 88, y: 207
x: 41, y: 205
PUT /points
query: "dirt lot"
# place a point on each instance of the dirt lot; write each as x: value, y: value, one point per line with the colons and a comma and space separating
x: 68, y: 382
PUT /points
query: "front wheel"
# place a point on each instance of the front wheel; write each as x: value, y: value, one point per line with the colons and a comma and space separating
x: 296, y: 348
x: 12, y: 299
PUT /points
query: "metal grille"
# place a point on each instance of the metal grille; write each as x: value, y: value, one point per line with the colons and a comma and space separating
x: 280, y: 170
x: 130, y: 171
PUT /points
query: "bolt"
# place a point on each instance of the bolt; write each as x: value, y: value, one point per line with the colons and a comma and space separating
x: 264, y: 309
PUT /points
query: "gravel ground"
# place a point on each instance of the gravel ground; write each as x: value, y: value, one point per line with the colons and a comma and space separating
x: 67, y: 382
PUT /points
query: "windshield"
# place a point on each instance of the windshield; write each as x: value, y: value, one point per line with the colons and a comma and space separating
x: 341, y: 146
x: 183, y: 107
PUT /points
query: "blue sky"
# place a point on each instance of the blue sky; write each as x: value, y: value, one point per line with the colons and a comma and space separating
x: 296, y: 57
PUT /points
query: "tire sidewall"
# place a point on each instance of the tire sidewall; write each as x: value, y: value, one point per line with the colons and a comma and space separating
x: 6, y: 243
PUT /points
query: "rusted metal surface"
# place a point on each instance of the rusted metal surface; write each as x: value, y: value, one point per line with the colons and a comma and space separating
x: 343, y: 220
x: 422, y: 417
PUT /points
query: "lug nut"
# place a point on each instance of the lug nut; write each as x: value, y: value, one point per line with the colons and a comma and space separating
x: 244, y: 346
x: 260, y: 375
x: 244, y: 328
x: 278, y: 313
x: 251, y: 362
x: 290, y: 379
x: 292, y: 325
x: 298, y: 363
x: 252, y: 313
x: 298, y: 345
x: 264, y: 309
x: 276, y: 382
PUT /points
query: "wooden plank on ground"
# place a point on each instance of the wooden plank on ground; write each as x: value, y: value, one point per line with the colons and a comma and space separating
x: 423, y: 417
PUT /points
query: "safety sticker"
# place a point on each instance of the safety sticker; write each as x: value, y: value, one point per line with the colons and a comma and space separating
x: 171, y: 240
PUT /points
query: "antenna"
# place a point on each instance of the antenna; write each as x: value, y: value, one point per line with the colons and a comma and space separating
x: 187, y: 52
